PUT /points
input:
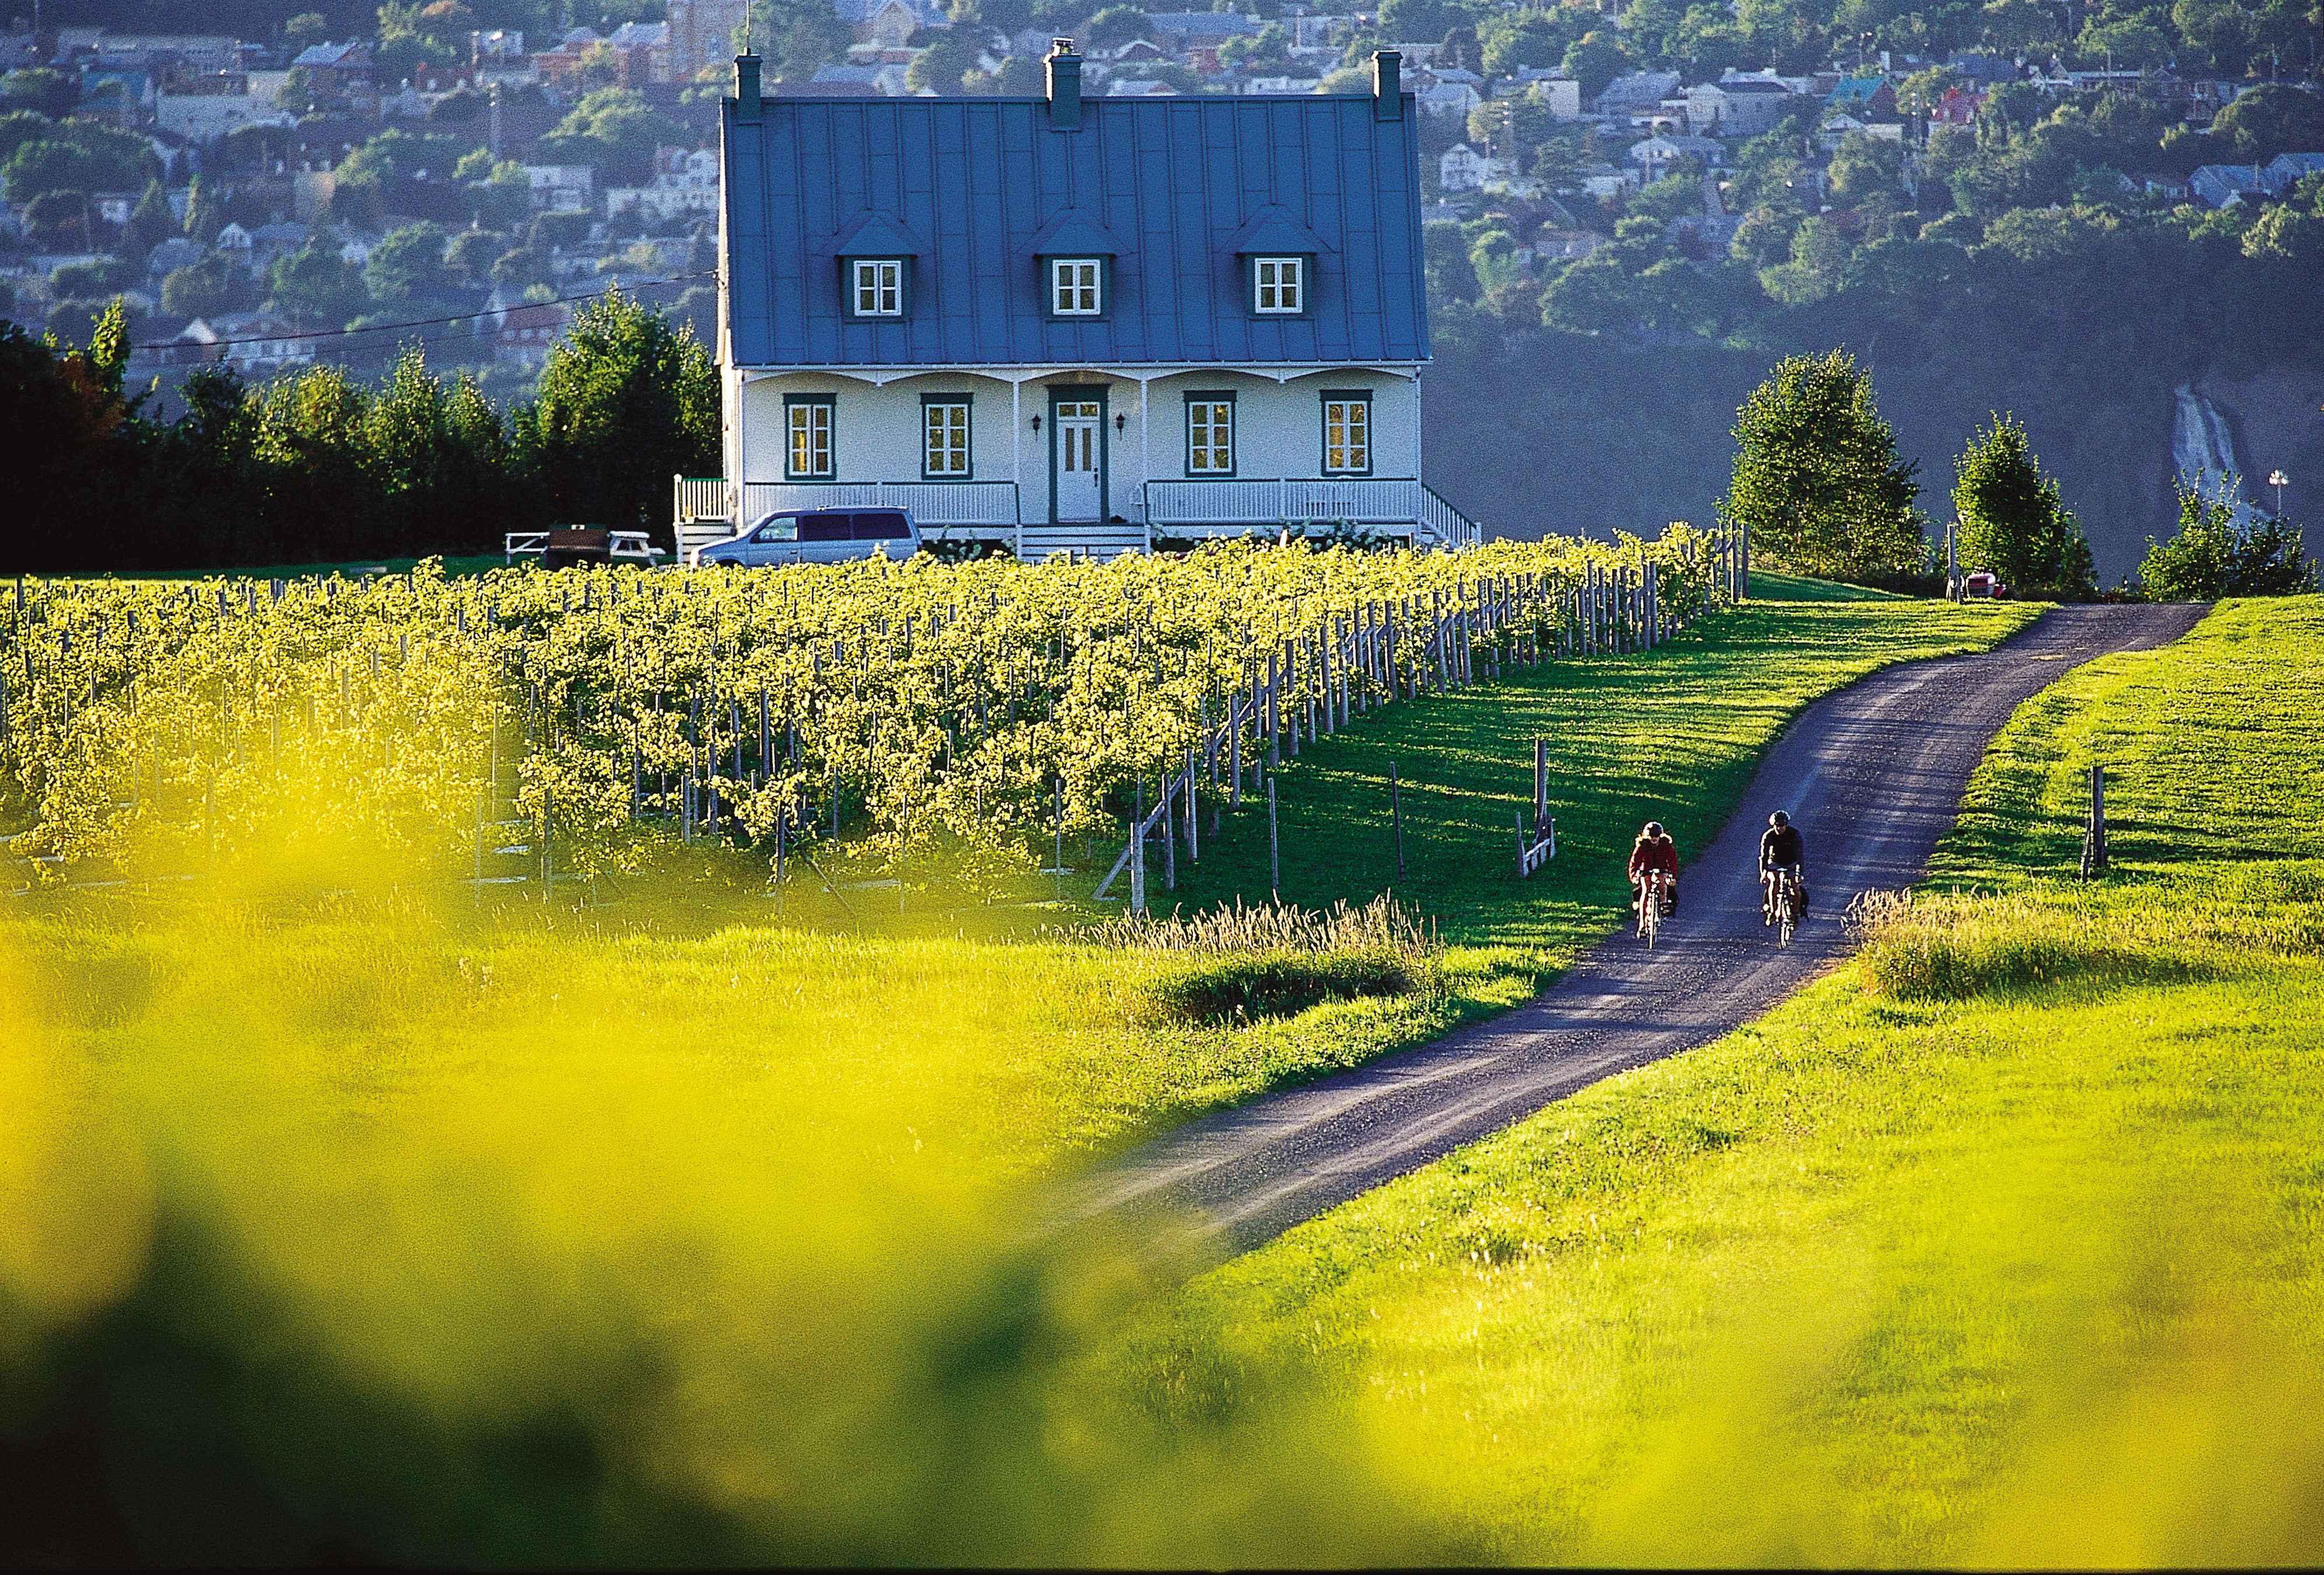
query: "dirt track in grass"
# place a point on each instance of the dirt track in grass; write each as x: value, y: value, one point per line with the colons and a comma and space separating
x: 1873, y: 775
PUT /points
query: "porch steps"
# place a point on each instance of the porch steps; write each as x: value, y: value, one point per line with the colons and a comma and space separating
x: 1103, y: 542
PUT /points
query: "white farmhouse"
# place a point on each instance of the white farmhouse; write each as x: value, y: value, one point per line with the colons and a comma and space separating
x: 1070, y: 324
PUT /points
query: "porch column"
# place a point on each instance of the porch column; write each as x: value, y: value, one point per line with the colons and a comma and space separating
x: 1017, y: 461
x: 1145, y: 461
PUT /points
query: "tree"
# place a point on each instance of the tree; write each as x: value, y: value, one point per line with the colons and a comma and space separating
x: 204, y: 212
x: 796, y: 36
x: 614, y: 131
x: 407, y: 268
x: 50, y: 93
x: 62, y: 440
x: 2271, y: 119
x: 201, y: 288
x: 1817, y: 480
x: 2012, y: 520
x: 944, y: 67
x: 151, y: 222
x: 79, y: 156
x: 317, y: 288
x: 2212, y: 555
x: 626, y: 401
x: 308, y: 27
x: 1111, y: 28
x: 1521, y: 38
x: 1416, y: 20
x: 1594, y: 61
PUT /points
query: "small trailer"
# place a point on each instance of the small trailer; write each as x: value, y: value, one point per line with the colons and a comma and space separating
x: 563, y: 546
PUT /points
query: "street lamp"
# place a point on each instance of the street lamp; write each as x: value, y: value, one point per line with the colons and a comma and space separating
x: 2279, y: 481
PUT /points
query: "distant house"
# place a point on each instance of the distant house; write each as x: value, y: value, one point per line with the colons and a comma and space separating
x: 2286, y: 170
x: 1561, y: 92
x: 1461, y: 168
x: 1457, y: 98
x: 1863, y: 97
x: 702, y: 35
x: 1958, y: 108
x: 1835, y: 128
x: 204, y: 117
x: 684, y: 181
x: 1185, y: 31
x: 887, y: 80
x: 891, y: 23
x: 1744, y: 107
x: 524, y: 334
x: 2221, y: 185
x: 1637, y: 93
x: 1139, y: 87
x: 1655, y: 155
x: 337, y: 69
x: 235, y: 242
x: 978, y: 307
x: 1610, y: 180
x: 561, y: 188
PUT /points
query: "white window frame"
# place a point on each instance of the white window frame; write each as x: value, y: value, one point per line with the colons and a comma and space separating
x: 946, y: 451
x: 1348, y: 451
x: 1279, y: 286
x: 808, y: 436
x: 1076, y: 287
x: 879, y: 281
x: 1208, y: 415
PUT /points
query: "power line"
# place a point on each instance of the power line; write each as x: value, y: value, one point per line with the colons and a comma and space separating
x: 180, y: 344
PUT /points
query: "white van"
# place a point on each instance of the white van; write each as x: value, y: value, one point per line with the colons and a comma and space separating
x: 817, y: 536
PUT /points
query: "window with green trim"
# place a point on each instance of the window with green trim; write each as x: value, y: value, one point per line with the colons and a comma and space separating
x: 807, y: 453
x: 1347, y: 432
x: 944, y: 438
x: 1210, y: 434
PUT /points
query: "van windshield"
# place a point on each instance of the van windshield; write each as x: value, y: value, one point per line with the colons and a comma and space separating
x: 780, y: 528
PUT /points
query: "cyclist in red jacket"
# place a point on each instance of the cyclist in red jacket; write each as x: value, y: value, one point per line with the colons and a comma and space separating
x: 1654, y: 851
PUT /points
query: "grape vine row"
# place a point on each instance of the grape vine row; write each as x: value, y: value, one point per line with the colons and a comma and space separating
x: 961, y: 714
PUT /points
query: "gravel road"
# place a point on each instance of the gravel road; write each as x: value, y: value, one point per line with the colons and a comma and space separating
x: 1872, y: 774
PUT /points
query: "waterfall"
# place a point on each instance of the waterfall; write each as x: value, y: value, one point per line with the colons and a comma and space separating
x: 2203, y: 453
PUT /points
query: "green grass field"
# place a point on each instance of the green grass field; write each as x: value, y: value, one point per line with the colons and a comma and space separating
x: 375, y: 1226
x: 1997, y: 1247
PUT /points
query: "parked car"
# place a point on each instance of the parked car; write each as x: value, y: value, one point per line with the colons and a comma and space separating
x: 817, y: 536
x: 1984, y: 583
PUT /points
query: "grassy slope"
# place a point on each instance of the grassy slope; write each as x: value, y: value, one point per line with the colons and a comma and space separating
x: 2028, y: 1276
x: 1673, y: 735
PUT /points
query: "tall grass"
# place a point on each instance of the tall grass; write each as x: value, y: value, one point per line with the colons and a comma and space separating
x: 1235, y: 963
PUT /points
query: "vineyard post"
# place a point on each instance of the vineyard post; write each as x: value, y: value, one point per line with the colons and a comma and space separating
x: 1654, y: 606
x: 1194, y: 813
x: 1396, y: 816
x: 1274, y: 720
x: 1238, y: 712
x: 1274, y: 846
x: 1057, y: 862
x: 1137, y: 860
x: 548, y: 860
x: 1540, y: 783
x: 1169, y: 837
x: 1743, y: 562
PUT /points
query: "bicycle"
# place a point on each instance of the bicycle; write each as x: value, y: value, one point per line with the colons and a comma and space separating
x: 1652, y: 899
x: 1783, y: 904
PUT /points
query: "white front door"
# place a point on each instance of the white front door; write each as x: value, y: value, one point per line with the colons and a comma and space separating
x: 1081, y: 453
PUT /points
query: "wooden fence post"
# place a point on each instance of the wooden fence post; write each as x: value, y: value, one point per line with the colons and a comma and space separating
x: 1274, y: 846
x: 2094, y: 848
x: 1396, y: 816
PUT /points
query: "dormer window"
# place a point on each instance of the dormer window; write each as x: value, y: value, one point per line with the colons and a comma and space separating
x: 1279, y: 286
x: 876, y: 286
x: 1077, y: 287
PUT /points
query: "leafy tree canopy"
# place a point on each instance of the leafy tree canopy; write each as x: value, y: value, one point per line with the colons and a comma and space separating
x: 614, y: 131
x: 626, y: 401
x: 2213, y: 555
x: 1817, y: 480
x: 2012, y: 520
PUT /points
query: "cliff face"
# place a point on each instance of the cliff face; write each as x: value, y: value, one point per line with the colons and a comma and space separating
x: 2277, y: 422
x: 1574, y: 435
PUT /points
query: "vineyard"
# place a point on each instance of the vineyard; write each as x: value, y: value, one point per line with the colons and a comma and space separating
x: 953, y: 721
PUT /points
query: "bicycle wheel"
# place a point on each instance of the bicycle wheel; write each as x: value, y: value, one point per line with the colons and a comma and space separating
x: 1787, y: 915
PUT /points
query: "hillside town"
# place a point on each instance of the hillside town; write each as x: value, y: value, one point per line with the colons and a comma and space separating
x: 273, y: 203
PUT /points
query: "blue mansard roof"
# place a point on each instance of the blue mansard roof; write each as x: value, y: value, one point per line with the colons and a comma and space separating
x: 977, y: 187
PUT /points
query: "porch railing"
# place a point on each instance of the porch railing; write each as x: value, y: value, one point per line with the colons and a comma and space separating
x: 1379, y: 502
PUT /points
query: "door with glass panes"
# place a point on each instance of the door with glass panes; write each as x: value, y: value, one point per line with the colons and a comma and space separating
x: 1078, y: 436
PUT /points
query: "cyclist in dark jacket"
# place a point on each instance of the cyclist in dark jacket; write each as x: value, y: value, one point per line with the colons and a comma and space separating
x: 1781, y: 848
x: 1652, y: 852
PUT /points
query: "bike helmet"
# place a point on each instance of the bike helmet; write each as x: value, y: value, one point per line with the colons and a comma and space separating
x: 1779, y: 818
x: 1654, y: 828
